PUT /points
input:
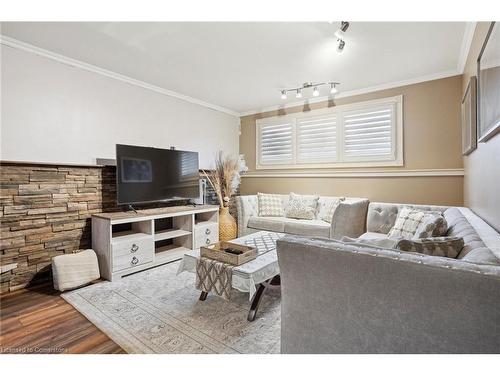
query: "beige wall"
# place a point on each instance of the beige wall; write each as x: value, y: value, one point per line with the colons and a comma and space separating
x: 482, y: 166
x: 432, y: 140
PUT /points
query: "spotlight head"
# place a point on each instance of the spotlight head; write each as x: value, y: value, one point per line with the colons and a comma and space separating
x: 283, y: 94
x: 299, y: 94
x: 315, y: 91
x: 341, y: 45
x: 333, y: 89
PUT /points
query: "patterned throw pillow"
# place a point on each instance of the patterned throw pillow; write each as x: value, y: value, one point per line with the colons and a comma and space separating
x: 433, y: 225
x: 328, y: 208
x: 407, y: 223
x: 269, y: 204
x: 301, y: 206
x: 448, y: 247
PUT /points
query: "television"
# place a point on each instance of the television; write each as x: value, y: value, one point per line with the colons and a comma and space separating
x: 147, y: 174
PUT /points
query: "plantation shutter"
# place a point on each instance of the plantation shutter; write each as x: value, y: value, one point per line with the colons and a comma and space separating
x: 317, y: 139
x: 369, y: 134
x: 276, y: 143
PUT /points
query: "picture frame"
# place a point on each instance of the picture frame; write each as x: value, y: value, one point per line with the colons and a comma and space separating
x: 469, y: 118
x: 488, y: 85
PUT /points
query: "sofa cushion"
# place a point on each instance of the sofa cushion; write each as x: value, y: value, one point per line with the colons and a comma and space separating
x: 273, y: 224
x: 407, y: 223
x: 270, y: 204
x: 448, y: 247
x: 327, y: 207
x: 301, y: 206
x: 433, y: 225
x: 459, y: 226
x: 308, y: 227
x: 384, y: 241
x: 373, y: 236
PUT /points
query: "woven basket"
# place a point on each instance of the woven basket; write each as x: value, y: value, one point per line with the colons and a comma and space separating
x: 227, y: 225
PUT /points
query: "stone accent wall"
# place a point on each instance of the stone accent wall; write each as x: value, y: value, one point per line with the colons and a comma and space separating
x: 45, y: 211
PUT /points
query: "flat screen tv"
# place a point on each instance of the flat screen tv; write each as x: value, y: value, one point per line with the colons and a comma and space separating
x: 146, y: 174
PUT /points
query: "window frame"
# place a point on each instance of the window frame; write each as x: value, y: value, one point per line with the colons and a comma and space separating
x: 396, y: 159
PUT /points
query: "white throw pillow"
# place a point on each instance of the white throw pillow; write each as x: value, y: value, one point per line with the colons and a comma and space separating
x: 269, y: 204
x: 301, y: 206
x: 433, y: 225
x: 407, y: 223
x: 328, y: 208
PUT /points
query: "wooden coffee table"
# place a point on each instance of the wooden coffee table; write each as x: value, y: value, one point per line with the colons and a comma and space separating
x: 253, y: 277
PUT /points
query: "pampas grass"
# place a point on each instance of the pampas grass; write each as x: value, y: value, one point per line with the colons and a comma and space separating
x: 225, y: 178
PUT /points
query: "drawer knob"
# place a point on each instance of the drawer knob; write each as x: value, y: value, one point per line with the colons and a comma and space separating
x: 208, y: 231
x: 135, y: 261
x: 134, y: 248
x: 207, y: 241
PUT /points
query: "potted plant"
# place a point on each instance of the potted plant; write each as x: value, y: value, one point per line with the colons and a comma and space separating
x: 225, y: 179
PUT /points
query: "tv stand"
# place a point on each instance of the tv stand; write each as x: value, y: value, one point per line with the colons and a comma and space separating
x: 129, y: 242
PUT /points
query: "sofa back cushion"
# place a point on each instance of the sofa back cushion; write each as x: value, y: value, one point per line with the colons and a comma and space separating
x: 382, y: 216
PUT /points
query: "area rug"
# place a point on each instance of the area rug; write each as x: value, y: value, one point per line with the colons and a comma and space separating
x: 157, y: 311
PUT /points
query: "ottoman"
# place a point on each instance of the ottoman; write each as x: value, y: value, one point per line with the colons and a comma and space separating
x: 74, y: 270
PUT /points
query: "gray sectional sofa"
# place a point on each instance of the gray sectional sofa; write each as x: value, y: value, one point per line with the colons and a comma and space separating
x: 356, y: 298
x: 348, y: 220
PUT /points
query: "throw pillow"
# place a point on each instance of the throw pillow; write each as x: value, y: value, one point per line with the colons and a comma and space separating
x: 269, y: 204
x: 448, y: 247
x: 328, y: 208
x: 407, y: 223
x: 433, y: 225
x: 301, y: 206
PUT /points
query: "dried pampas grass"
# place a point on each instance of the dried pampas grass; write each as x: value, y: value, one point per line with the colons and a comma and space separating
x: 225, y: 178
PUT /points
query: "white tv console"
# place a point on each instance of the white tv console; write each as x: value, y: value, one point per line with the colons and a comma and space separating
x: 128, y: 242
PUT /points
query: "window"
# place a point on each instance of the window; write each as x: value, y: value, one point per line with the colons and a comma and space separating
x: 355, y: 135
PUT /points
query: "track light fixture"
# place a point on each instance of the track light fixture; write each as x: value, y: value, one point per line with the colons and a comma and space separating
x: 307, y: 85
x: 340, y: 34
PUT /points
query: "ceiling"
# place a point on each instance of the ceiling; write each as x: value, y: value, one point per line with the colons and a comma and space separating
x: 242, y: 66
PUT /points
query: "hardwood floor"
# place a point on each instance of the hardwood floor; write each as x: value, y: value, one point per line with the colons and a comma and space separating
x: 38, y: 320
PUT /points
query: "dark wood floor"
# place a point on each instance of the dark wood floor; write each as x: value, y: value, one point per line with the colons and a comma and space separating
x: 38, y: 320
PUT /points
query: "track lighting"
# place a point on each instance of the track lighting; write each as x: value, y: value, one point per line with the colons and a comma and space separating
x: 307, y: 85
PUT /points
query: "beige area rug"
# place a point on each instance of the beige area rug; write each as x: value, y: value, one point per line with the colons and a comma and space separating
x: 156, y: 311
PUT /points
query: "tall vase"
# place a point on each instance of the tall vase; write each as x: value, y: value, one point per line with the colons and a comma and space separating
x: 227, y: 225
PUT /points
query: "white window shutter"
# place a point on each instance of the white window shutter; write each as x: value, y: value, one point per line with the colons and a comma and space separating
x: 369, y: 134
x: 276, y: 143
x: 317, y: 139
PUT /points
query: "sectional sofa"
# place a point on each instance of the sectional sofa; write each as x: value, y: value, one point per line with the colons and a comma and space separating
x: 345, y: 297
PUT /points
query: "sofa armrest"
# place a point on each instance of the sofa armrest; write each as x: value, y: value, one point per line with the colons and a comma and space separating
x: 247, y: 207
x: 341, y: 298
x: 349, y: 219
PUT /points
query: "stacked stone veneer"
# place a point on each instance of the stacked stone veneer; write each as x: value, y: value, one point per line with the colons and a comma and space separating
x: 46, y: 211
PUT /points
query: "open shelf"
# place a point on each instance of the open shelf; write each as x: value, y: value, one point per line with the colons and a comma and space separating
x: 166, y: 234
x: 128, y: 235
x: 169, y: 253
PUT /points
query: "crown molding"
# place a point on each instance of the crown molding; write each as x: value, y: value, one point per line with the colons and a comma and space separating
x: 17, y: 44
x: 360, y: 174
x: 384, y: 86
x: 470, y: 28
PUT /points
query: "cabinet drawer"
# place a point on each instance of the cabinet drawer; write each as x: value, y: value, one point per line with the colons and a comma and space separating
x: 206, y: 234
x: 132, y: 260
x: 133, y: 253
x: 131, y: 247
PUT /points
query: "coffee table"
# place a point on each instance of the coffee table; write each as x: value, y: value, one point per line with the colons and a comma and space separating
x: 253, y: 277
